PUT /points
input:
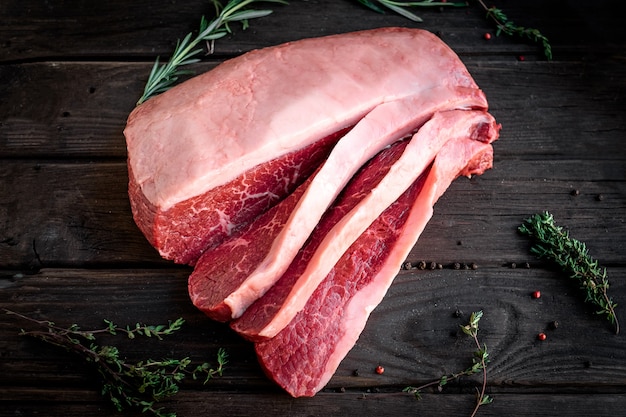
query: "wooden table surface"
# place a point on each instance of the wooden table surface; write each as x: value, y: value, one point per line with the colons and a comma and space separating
x: 70, y: 73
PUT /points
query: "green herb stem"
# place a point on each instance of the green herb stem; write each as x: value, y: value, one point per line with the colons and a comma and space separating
x: 164, y: 76
x: 479, y: 365
x: 139, y: 385
x: 504, y: 25
x: 400, y: 7
x: 553, y: 243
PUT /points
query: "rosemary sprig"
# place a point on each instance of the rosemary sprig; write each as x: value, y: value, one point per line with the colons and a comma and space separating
x: 400, y: 6
x: 164, y: 76
x: 140, y: 385
x: 479, y: 365
x: 554, y: 244
x: 504, y: 25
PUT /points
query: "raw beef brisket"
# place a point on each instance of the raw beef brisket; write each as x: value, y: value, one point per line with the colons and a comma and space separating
x: 342, y: 226
x: 215, y: 130
x: 304, y: 355
x: 297, y: 178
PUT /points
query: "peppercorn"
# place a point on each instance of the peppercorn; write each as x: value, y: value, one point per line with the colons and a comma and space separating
x: 380, y: 370
x: 542, y: 336
x: 536, y: 294
x: 487, y: 36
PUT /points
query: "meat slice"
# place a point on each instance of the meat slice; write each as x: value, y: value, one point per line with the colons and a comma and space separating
x: 221, y: 271
x: 224, y: 270
x: 304, y: 355
x: 230, y: 128
x: 346, y: 221
x: 200, y: 223
x: 386, y: 124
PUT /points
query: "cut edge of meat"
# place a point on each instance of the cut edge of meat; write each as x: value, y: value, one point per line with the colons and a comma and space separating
x: 360, y: 308
x: 418, y: 154
x: 407, y: 116
x: 176, y: 238
x: 446, y: 167
x: 220, y: 271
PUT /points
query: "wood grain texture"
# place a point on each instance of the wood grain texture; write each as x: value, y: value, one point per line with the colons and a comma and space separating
x: 406, y: 334
x: 71, y: 71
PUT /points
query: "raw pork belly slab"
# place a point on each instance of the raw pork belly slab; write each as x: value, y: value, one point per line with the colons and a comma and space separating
x: 304, y: 355
x: 227, y: 131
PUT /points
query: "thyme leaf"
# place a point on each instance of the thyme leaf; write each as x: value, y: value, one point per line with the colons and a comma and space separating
x: 553, y: 243
x: 163, y: 76
x: 480, y: 360
x: 137, y: 385
x: 504, y: 25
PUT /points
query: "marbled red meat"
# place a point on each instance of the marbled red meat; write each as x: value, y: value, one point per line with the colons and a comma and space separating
x: 304, y: 355
x: 260, y: 313
x: 223, y: 210
x: 221, y: 271
x: 377, y: 186
x: 222, y: 128
x: 233, y: 146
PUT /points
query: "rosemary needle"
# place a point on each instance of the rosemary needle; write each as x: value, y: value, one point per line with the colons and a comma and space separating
x: 553, y: 243
x: 399, y: 7
x: 164, y: 76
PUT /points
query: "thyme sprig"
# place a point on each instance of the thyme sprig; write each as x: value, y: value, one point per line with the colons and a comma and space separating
x: 400, y: 7
x: 504, y: 25
x: 479, y: 365
x: 164, y: 76
x: 137, y: 385
x: 553, y: 243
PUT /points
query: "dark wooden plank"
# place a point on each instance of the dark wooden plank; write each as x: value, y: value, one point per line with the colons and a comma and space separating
x: 78, y: 214
x: 78, y: 110
x: 413, y: 333
x: 67, y: 213
x: 344, y: 404
x: 67, y: 110
x: 78, y: 29
x: 405, y: 333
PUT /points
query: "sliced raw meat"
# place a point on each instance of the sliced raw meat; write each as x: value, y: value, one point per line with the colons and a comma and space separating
x: 345, y: 222
x: 219, y: 272
x: 386, y: 124
x: 203, y: 222
x: 303, y: 356
x: 222, y: 128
